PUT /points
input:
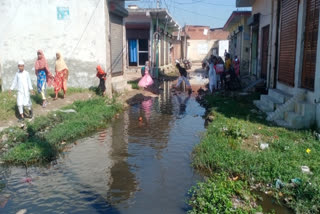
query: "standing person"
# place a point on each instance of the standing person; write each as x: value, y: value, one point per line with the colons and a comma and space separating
x: 212, y: 75
x: 44, y: 76
x: 183, y: 76
x: 225, y: 54
x: 62, y: 73
x: 228, y: 63
x: 144, y: 67
x: 102, y: 77
x: 23, y: 85
x: 146, y: 80
x: 236, y: 65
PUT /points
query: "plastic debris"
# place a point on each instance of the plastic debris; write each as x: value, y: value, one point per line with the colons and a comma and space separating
x: 68, y: 111
x: 264, y: 146
x: 23, y: 211
x: 305, y: 169
x: 27, y: 180
x: 279, y: 184
x: 296, y: 181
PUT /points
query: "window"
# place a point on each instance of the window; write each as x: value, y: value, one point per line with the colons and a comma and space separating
x: 138, y: 51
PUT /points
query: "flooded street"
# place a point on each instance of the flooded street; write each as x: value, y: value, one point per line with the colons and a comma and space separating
x: 134, y: 166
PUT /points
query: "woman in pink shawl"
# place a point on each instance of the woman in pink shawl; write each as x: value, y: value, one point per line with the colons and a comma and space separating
x: 44, y: 77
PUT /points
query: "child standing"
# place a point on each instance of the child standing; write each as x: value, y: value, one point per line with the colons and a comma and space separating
x: 102, y: 77
x: 146, y: 80
x: 23, y: 85
x: 183, y: 76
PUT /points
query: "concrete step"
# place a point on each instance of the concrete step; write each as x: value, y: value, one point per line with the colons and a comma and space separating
x: 305, y: 108
x: 279, y: 95
x: 271, y: 102
x: 262, y: 106
x: 295, y: 120
x: 282, y: 123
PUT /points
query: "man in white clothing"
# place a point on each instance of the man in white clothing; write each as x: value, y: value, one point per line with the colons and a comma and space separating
x: 23, y: 85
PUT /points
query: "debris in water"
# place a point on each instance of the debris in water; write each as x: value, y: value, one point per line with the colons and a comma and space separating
x: 27, y: 180
x: 23, y: 211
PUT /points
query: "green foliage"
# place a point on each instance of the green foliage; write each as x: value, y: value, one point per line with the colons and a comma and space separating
x: 134, y: 84
x: 220, y: 194
x: 8, y: 102
x: 232, y: 145
x: 7, y: 105
x: 42, y: 138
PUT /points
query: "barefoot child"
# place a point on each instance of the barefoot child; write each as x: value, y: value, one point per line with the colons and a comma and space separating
x: 183, y: 76
x: 23, y: 85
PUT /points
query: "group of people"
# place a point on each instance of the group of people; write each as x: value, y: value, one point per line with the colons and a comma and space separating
x: 147, y: 81
x: 218, y: 69
x: 22, y: 81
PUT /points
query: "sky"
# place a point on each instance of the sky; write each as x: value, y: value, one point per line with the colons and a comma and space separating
x: 213, y: 13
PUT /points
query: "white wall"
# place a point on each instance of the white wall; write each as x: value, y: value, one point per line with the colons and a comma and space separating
x: 264, y: 7
x: 33, y: 24
x: 196, y: 47
x: 223, y: 45
x: 317, y: 80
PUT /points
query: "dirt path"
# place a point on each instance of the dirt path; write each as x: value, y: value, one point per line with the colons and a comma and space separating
x: 53, y: 105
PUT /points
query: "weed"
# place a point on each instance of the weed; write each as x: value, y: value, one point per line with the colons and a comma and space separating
x: 42, y: 138
x: 226, y: 148
x: 219, y: 194
x: 134, y: 84
x: 8, y: 101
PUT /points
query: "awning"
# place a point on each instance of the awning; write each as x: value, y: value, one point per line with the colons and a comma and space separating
x: 117, y: 9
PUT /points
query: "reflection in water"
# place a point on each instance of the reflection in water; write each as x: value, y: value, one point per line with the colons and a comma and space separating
x: 103, y: 173
x: 123, y: 183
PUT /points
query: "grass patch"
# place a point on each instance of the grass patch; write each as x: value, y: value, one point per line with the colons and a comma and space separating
x: 232, y: 145
x: 134, y: 84
x: 8, y: 102
x: 42, y: 139
x: 220, y: 194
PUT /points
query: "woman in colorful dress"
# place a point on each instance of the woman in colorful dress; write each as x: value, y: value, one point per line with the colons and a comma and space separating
x: 62, y: 73
x: 44, y: 77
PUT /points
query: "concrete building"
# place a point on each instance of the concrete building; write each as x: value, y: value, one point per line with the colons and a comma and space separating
x: 202, y: 40
x: 239, y: 38
x: 290, y: 31
x: 150, y: 38
x: 87, y: 33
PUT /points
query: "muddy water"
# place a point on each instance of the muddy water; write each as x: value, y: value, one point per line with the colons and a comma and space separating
x: 132, y: 167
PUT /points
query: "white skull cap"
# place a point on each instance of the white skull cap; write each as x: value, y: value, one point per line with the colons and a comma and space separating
x: 21, y: 62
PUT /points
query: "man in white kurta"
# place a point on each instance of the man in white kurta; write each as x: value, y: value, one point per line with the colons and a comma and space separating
x: 22, y: 83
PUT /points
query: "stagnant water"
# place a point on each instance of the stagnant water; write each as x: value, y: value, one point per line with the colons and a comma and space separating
x: 131, y: 167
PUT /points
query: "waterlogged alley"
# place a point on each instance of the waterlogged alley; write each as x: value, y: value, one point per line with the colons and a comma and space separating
x: 134, y: 166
